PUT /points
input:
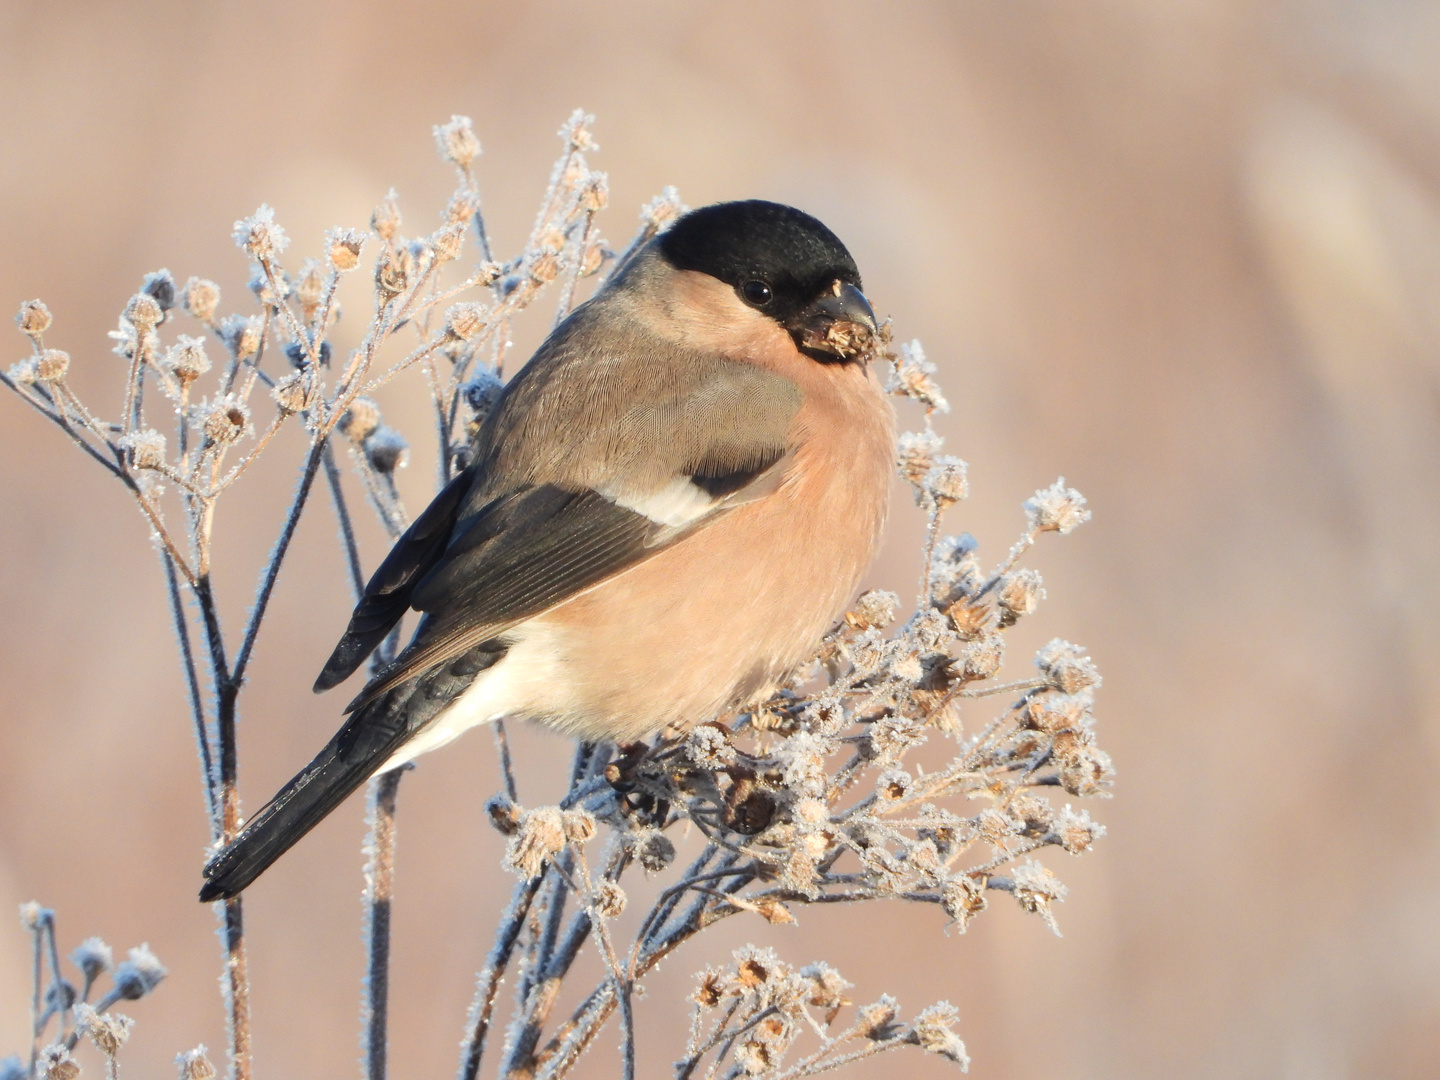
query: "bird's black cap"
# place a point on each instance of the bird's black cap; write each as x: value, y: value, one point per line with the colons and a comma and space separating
x: 739, y: 242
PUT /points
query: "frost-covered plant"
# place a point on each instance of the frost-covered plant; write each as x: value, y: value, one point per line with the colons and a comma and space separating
x: 813, y: 797
x: 54, y: 997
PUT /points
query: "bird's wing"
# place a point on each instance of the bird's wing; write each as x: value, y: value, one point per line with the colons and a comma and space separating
x: 387, y: 596
x: 601, y: 453
x: 532, y: 550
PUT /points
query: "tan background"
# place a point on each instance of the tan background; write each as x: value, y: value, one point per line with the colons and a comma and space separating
x: 1187, y: 254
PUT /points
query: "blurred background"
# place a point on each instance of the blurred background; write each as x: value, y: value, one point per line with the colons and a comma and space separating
x: 1185, y: 254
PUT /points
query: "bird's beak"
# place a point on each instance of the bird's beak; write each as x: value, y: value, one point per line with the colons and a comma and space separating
x: 837, y: 326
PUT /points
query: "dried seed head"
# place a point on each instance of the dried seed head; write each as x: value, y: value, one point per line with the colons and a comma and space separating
x: 1056, y: 508
x: 811, y: 811
x: 1033, y: 812
x: 161, y: 286
x: 194, y: 1065
x: 916, y: 454
x: 891, y: 736
x: 108, y: 1031
x: 201, y: 298
x: 709, y: 747
x: 595, y: 195
x: 51, y: 365
x: 711, y: 989
x: 33, y: 319
x: 143, y: 312
x: 579, y: 826
x: 310, y: 288
x: 913, y: 378
x: 773, y: 911
x: 1074, y: 831
x: 186, y: 359
x: 343, y: 248
x: 932, y: 1031
x: 295, y: 392
x: 995, y: 826
x: 241, y: 335
x: 258, y: 235
x: 754, y: 967
x: 544, y: 268
x: 609, y: 900
x: 503, y: 814
x: 360, y: 419
x: 653, y: 850
x: 457, y: 141
x: 93, y: 957
x: 1053, y: 711
x: 594, y: 257
x: 1020, y: 592
x: 867, y: 652
x: 662, y: 209
x: 385, y: 219
x: 800, y: 874
x: 874, y: 610
x: 963, y: 898
x: 877, y: 1021
x: 33, y: 916
x: 541, y: 834
x: 55, y: 1063
x: 754, y: 1055
x: 144, y: 449
x: 139, y: 974
x: 385, y: 449
x: 1035, y: 889
x: 1066, y: 666
x: 970, y: 618
x: 391, y: 275
x: 956, y: 571
x: 827, y: 986
x: 448, y: 242
x: 982, y: 658
x: 1086, y: 771
x: 487, y: 273
x: 225, y: 420
x: 576, y: 132
x: 460, y: 210
x: 893, y: 784
x: 464, y: 321
x: 947, y: 482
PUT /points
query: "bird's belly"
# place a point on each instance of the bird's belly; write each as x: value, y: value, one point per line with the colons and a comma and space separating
x: 527, y: 672
x: 707, y: 625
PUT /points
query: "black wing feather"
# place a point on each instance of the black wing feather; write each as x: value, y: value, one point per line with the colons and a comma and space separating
x: 387, y: 595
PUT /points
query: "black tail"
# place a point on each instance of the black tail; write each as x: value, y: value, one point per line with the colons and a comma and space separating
x: 322, y: 786
x: 370, y: 736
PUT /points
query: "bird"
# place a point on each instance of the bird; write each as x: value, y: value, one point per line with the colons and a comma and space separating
x: 664, y: 512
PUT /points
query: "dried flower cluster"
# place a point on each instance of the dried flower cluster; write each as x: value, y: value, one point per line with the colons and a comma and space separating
x: 812, y: 798
x: 54, y: 997
x: 816, y: 796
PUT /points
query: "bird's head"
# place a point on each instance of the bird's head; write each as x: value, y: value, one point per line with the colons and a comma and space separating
x: 782, y: 265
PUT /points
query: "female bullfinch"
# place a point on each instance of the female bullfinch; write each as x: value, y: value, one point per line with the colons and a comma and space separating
x: 666, y: 509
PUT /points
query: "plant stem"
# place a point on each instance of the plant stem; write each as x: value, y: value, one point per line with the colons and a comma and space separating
x: 237, y: 991
x: 488, y: 981
x: 277, y: 556
x: 379, y: 890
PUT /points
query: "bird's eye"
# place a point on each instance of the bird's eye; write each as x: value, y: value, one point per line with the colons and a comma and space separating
x: 756, y: 292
